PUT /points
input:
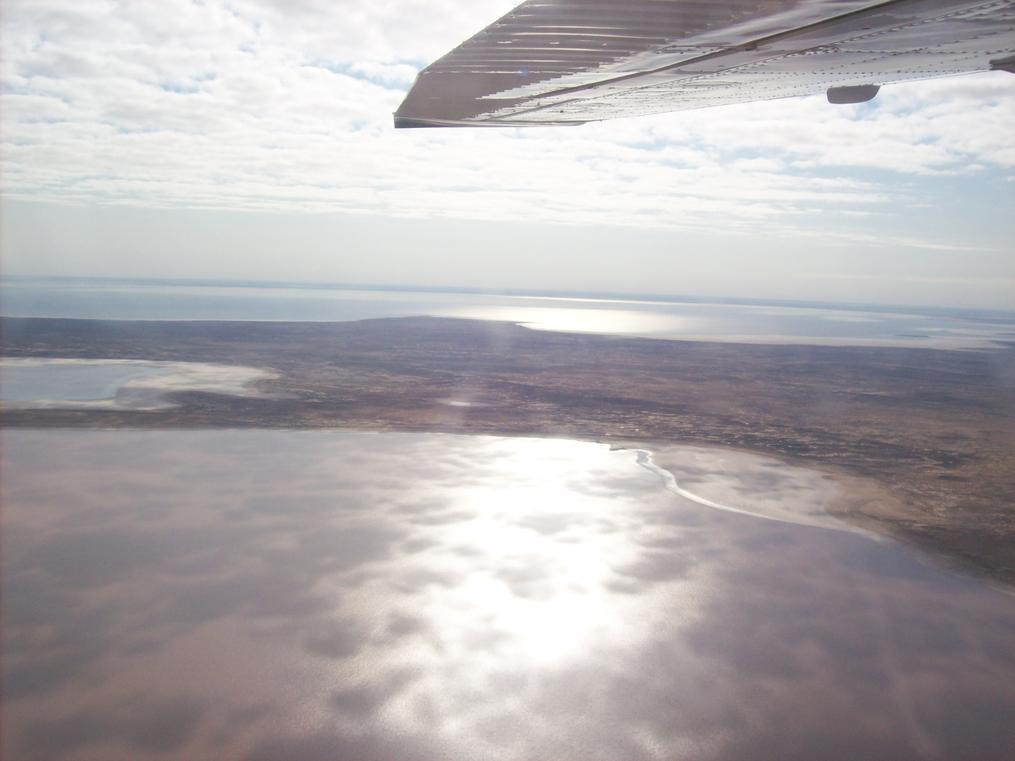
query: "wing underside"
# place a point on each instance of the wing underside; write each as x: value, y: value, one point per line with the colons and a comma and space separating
x: 558, y: 62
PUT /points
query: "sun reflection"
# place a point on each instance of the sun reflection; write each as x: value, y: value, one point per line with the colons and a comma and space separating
x: 514, y: 575
x: 536, y: 579
x: 579, y: 320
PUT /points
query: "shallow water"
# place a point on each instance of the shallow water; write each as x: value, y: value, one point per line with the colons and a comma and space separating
x: 47, y: 382
x: 25, y: 382
x: 751, y: 322
x: 335, y: 595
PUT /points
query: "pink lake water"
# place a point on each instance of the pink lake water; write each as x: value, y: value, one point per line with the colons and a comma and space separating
x: 269, y: 595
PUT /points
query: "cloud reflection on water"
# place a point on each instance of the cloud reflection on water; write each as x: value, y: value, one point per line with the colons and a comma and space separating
x: 270, y: 594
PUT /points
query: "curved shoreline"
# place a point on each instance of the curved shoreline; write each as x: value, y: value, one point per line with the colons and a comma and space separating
x: 148, y: 390
x: 932, y: 429
x: 824, y: 519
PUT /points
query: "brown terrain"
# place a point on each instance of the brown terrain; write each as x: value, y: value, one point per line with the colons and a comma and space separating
x: 936, y: 428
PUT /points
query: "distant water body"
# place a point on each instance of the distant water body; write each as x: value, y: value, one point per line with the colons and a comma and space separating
x: 651, y: 317
x: 125, y: 384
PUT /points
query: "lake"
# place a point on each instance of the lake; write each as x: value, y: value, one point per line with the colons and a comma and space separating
x: 125, y: 384
x: 647, y: 316
x: 317, y: 595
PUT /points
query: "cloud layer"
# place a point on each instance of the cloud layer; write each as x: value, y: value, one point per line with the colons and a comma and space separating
x: 286, y: 107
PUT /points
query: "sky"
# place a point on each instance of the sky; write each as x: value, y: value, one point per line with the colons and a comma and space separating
x: 252, y: 140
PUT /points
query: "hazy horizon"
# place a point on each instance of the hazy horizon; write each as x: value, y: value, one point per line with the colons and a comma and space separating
x: 244, y: 142
x: 536, y: 293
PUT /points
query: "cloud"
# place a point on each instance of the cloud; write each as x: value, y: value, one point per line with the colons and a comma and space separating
x: 286, y: 107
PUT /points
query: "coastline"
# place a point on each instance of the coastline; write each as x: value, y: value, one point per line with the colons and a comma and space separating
x: 755, y: 484
x: 933, y: 429
x: 847, y: 502
x: 150, y: 386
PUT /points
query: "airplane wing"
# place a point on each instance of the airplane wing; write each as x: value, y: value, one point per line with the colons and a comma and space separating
x: 559, y: 62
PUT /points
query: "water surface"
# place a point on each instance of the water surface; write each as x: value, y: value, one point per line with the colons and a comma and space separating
x: 265, y: 595
x: 648, y: 317
x: 34, y: 380
x: 124, y: 384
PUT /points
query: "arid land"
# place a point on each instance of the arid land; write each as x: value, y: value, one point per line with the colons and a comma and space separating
x: 936, y: 429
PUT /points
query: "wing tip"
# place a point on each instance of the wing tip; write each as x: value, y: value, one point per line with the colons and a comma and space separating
x: 411, y: 122
x: 414, y: 122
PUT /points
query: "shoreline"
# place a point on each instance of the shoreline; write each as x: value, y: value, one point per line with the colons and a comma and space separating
x: 815, y: 510
x: 150, y: 388
x: 933, y: 428
x: 847, y: 509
